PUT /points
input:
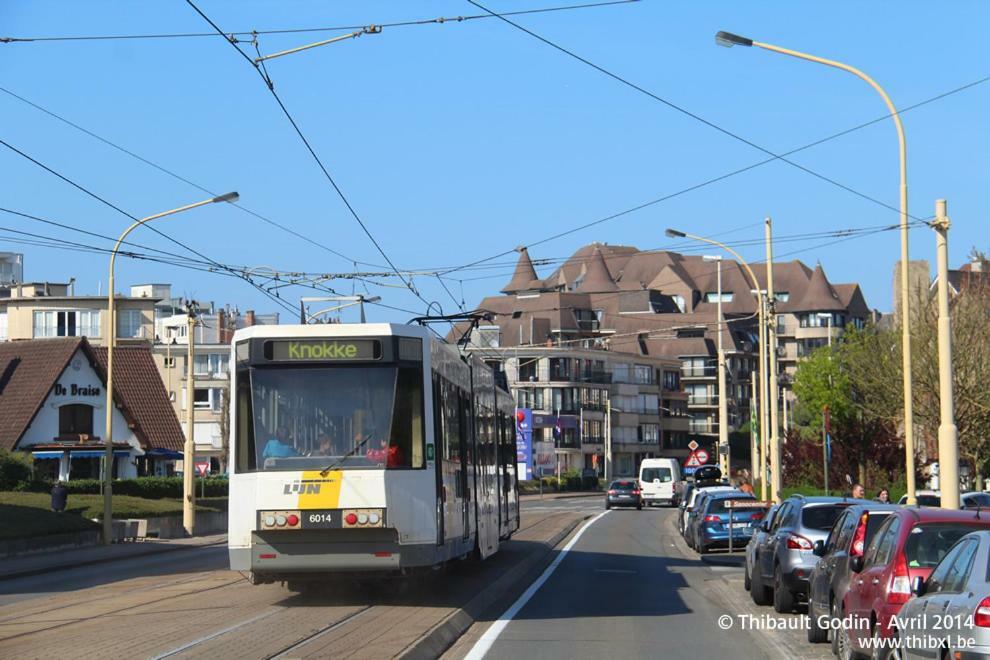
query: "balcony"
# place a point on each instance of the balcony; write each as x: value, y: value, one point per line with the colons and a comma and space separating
x: 702, y: 427
x: 593, y: 440
x: 699, y: 372
x: 567, y: 443
x: 703, y: 401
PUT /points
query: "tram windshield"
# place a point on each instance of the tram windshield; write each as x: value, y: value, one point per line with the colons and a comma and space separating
x: 347, y: 417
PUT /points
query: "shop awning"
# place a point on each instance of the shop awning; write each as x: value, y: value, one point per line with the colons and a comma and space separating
x: 47, y: 454
x: 97, y: 453
x: 158, y: 452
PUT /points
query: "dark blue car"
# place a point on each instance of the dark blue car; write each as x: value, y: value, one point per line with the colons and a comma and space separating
x: 712, y: 525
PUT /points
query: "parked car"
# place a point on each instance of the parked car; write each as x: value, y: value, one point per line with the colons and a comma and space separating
x: 957, y: 590
x: 909, y: 544
x: 968, y: 500
x: 623, y: 492
x: 783, y: 561
x: 849, y: 538
x: 686, y: 493
x: 717, y: 521
x: 759, y: 535
x: 656, y: 480
x: 688, y: 505
x: 701, y: 495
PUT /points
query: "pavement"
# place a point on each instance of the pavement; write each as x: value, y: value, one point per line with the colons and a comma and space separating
x: 188, y: 604
x: 54, y: 560
x: 625, y: 588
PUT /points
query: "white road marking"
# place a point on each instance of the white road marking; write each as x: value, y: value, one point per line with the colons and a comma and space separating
x: 484, y: 644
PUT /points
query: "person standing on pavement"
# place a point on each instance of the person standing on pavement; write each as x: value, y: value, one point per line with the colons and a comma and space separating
x: 745, y: 486
x: 883, y: 496
x: 858, y: 492
x: 60, y: 497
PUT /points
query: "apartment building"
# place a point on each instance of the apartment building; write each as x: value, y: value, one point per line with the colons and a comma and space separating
x: 660, y: 305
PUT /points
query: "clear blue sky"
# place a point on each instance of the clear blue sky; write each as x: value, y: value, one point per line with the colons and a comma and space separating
x: 457, y: 141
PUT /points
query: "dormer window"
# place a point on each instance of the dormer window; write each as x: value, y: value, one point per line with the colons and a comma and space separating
x: 712, y: 297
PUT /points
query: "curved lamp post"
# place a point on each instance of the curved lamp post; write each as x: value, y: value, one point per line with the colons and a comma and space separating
x: 728, y: 40
x: 111, y: 338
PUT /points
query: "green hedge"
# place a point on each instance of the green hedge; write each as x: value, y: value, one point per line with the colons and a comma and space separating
x: 15, y: 469
x: 151, y: 488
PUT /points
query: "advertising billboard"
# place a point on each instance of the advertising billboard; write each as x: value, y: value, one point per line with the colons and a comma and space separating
x: 524, y: 442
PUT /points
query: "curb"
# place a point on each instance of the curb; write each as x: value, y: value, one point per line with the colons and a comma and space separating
x: 102, y: 560
x: 441, y: 637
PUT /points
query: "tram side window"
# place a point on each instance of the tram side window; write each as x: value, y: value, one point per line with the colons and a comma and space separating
x: 246, y: 460
x: 451, y: 423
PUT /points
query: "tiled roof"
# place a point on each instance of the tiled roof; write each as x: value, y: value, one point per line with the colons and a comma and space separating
x: 597, y: 278
x: 523, y: 275
x: 141, y: 395
x: 28, y: 370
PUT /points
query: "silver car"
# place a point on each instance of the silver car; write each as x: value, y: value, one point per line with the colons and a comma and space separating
x: 782, y: 563
x: 951, y: 609
x: 759, y: 536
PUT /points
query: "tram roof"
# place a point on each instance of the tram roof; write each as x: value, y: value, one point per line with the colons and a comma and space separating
x: 332, y: 330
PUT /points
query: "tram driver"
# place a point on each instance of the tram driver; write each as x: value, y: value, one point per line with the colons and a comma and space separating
x: 280, y: 446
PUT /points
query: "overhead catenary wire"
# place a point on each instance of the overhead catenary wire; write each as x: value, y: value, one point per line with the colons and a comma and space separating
x: 441, y: 20
x: 116, y: 208
x: 312, y: 152
x: 716, y: 179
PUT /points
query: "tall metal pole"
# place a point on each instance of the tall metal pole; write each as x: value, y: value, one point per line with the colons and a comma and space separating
x: 723, y: 395
x: 754, y: 449
x: 764, y: 445
x: 774, y: 392
x: 948, y: 441
x: 608, y: 439
x: 825, y: 444
x: 189, y: 448
x: 111, y: 337
x: 728, y: 39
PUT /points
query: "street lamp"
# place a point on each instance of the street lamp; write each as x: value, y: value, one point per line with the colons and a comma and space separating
x: 723, y: 401
x: 948, y: 436
x: 761, y: 311
x: 111, y: 335
x: 728, y: 39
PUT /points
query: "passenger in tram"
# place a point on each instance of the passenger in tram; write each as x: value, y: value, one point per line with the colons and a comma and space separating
x: 280, y: 446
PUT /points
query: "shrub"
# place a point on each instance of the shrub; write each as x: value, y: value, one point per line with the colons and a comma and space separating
x: 15, y: 469
x: 151, y: 488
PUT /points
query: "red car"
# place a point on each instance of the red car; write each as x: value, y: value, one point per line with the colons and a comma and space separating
x: 908, y: 545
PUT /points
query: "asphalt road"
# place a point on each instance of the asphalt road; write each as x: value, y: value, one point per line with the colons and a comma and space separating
x: 625, y: 589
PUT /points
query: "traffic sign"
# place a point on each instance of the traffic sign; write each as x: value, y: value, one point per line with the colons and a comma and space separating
x: 696, y: 459
x: 693, y: 445
x: 202, y: 468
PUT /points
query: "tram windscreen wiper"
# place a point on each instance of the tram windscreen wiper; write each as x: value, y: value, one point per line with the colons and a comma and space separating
x: 340, y: 460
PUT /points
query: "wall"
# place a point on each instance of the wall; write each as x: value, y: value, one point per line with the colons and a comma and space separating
x: 20, y: 313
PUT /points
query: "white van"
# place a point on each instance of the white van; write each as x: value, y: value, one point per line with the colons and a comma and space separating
x: 656, y: 480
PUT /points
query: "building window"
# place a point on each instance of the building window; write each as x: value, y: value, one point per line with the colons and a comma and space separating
x: 649, y: 433
x: 69, y: 323
x: 210, y: 364
x: 129, y: 323
x: 712, y: 297
x: 808, y: 346
x: 75, y: 419
x: 813, y: 320
x: 527, y: 369
x: 560, y: 369
x: 782, y: 296
x: 671, y: 380
x: 620, y: 373
x: 644, y: 374
x: 679, y: 301
x: 3, y: 326
x: 169, y: 362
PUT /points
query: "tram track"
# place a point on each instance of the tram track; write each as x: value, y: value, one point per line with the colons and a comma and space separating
x: 320, y: 633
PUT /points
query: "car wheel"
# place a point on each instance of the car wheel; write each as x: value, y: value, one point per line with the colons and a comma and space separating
x: 747, y: 581
x: 888, y: 653
x: 703, y: 549
x: 844, y: 649
x: 816, y: 634
x: 607, y: 506
x: 759, y: 592
x: 834, y: 616
x: 783, y: 599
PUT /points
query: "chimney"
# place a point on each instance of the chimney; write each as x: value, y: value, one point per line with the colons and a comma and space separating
x: 976, y: 266
x: 249, y: 318
x: 222, y: 328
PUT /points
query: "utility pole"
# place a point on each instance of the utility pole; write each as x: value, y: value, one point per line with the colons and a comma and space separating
x: 723, y: 400
x: 771, y: 320
x: 754, y: 449
x: 189, y: 449
x: 948, y: 440
x: 608, y: 439
x: 764, y: 445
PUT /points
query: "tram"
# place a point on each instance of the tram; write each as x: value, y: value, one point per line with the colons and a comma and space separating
x: 361, y: 450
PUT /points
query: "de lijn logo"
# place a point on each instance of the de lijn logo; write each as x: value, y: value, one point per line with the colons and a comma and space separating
x: 307, y: 487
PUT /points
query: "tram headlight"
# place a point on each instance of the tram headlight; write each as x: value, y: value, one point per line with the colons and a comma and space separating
x: 374, y: 518
x: 269, y: 521
x: 362, y: 518
x: 280, y: 520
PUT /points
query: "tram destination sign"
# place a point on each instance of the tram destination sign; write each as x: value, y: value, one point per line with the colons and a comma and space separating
x: 323, y: 350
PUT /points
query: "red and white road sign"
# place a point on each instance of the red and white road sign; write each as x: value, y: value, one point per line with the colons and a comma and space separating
x: 696, y: 458
x: 693, y: 445
x: 202, y: 468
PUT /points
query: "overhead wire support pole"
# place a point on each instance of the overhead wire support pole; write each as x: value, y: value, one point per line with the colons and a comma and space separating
x: 728, y: 39
x: 773, y: 395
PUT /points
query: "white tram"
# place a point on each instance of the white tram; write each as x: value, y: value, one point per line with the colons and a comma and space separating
x: 364, y: 449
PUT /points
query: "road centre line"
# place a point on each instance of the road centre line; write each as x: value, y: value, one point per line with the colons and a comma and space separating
x: 484, y: 644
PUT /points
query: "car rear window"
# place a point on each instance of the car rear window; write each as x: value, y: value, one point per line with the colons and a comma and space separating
x: 623, y: 485
x: 718, y: 504
x: 873, y: 524
x: 928, y: 543
x: 652, y: 474
x: 821, y: 517
x: 980, y: 499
